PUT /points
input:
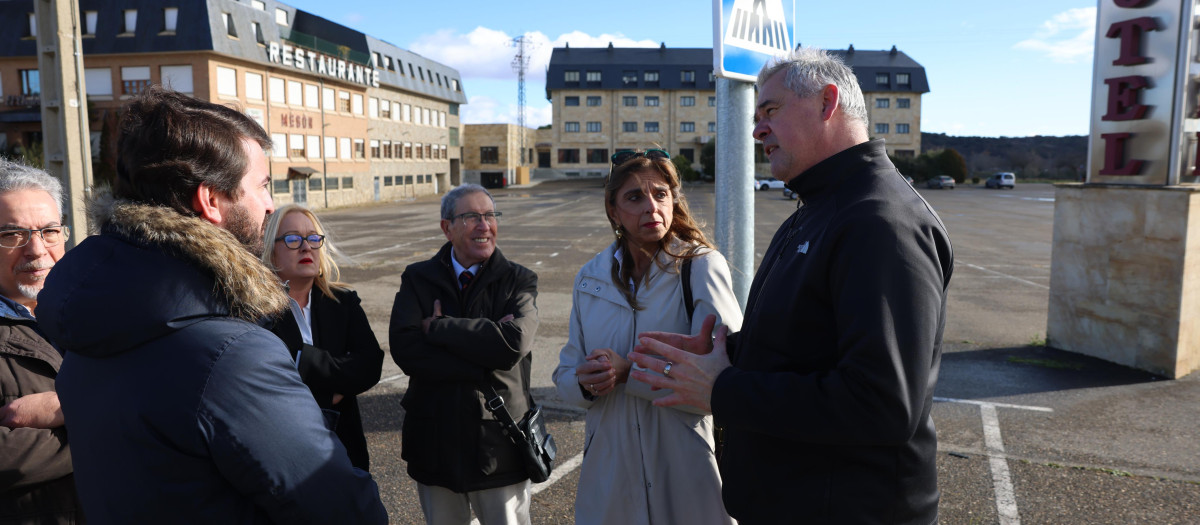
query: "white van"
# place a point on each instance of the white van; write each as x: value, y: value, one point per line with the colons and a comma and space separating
x: 1000, y: 180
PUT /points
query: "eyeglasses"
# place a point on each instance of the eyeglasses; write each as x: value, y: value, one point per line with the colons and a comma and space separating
x: 627, y: 155
x: 472, y: 219
x: 292, y: 240
x: 18, y: 237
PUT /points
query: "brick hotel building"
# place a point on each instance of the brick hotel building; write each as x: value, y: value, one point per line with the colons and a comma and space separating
x: 608, y: 99
x: 354, y: 119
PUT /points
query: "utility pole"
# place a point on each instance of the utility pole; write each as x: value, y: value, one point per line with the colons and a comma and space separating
x: 66, y: 141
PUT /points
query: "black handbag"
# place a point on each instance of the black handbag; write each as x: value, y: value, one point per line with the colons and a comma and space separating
x: 534, y: 443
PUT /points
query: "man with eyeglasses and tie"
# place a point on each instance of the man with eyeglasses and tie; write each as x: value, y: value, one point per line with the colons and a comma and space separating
x: 464, y: 320
x: 37, y: 485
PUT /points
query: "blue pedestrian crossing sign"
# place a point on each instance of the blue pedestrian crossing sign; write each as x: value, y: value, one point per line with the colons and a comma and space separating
x: 748, y: 33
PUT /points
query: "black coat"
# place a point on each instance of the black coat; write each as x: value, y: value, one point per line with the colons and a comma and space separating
x: 827, y: 404
x: 344, y: 358
x: 450, y: 439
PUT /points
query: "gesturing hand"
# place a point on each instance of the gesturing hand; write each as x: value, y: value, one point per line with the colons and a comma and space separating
x: 700, y: 344
x: 691, y: 375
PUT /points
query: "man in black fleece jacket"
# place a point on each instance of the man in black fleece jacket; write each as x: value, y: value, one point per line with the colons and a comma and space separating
x: 825, y: 393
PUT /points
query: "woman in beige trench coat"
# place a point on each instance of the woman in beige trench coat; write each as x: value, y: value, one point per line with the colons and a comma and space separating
x: 643, y: 464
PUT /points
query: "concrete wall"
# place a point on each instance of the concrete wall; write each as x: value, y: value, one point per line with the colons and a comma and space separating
x: 1125, y: 276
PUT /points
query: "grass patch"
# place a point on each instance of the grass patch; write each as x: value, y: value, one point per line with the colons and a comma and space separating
x: 1045, y: 363
x: 1038, y: 341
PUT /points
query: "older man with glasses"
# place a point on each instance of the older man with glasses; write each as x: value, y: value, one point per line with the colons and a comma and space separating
x: 37, y: 485
x: 464, y: 321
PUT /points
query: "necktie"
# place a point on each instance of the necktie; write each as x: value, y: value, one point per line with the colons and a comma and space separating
x: 464, y: 279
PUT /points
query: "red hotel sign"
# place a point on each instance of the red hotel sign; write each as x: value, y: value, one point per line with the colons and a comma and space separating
x: 1144, y: 127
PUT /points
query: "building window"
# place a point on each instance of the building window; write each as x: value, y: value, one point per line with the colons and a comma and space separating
x: 629, y: 101
x: 311, y: 99
x: 593, y: 76
x: 356, y: 105
x: 651, y: 76
x: 280, y: 186
x: 571, y: 76
x: 99, y: 81
x: 331, y: 147
x: 258, y: 4
x: 385, y: 109
x: 881, y: 129
x: 687, y: 101
x: 489, y: 155
x: 428, y: 155
x: 314, y: 146
x: 276, y: 90
x: 31, y: 82
x: 347, y: 183
x: 230, y: 27
x: 593, y: 101
x: 902, y: 103
x: 571, y: 101
x: 902, y: 128
x: 256, y: 29
x: 883, y: 103
x: 171, y: 19
x: 278, y: 145
x: 687, y: 127
x: 597, y: 156
x: 687, y: 77
x: 89, y: 22
x: 331, y: 183
x: 179, y: 78
x: 344, y: 147
x: 296, y: 145
x: 295, y: 93
x: 651, y: 101
x: 360, y: 149
x: 571, y: 127
x: 688, y: 153
x: 130, y: 21
x: 629, y: 127
x: 712, y: 102
x: 420, y: 151
x: 374, y: 149
x: 593, y: 127
x: 373, y: 107
x: 902, y: 79
x: 281, y: 17
x: 882, y: 79
x: 136, y: 79
x: 314, y: 184
x: 651, y: 127
x: 712, y: 127
x: 568, y: 156
x: 629, y: 78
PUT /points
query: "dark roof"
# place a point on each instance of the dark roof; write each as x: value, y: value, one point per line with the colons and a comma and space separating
x: 613, y: 62
x: 191, y: 36
x: 868, y: 64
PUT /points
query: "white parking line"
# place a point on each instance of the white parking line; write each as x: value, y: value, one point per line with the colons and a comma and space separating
x: 1006, y: 499
x: 1005, y: 275
x: 401, y: 245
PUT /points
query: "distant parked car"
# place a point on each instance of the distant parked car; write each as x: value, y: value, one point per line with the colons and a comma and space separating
x: 941, y: 182
x: 909, y: 179
x: 768, y: 184
x: 1000, y: 180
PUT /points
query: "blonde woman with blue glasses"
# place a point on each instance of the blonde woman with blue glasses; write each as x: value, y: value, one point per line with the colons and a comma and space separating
x: 643, y: 464
x: 327, y: 331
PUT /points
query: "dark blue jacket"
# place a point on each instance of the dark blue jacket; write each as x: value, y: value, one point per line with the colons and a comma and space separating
x: 180, y: 409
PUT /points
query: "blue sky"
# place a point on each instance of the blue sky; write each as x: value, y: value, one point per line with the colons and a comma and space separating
x: 1012, y: 68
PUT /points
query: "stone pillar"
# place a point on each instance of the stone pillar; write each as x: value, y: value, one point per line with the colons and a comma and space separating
x: 1122, y: 286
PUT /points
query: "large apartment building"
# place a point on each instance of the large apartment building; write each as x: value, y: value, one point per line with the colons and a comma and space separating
x: 353, y: 118
x: 608, y: 99
x: 892, y: 84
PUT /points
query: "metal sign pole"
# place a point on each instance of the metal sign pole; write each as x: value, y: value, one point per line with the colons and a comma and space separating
x: 734, y: 231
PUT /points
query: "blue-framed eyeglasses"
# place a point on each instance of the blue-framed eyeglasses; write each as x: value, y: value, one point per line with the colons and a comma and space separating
x: 293, y: 240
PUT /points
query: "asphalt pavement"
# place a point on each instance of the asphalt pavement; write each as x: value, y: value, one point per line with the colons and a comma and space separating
x: 1027, y: 434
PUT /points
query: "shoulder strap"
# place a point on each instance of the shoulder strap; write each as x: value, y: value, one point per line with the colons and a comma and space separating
x: 685, y: 274
x: 495, y: 405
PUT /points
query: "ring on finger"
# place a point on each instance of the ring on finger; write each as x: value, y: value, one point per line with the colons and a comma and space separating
x: 667, y: 370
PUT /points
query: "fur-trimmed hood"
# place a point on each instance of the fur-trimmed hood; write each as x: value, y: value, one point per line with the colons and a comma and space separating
x: 151, y: 270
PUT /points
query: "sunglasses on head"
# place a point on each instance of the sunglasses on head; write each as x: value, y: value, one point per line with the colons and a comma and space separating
x: 627, y: 155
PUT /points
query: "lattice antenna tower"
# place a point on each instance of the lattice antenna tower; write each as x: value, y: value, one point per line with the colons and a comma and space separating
x: 520, y: 63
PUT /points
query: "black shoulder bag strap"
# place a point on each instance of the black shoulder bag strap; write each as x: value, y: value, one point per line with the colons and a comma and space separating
x: 495, y: 405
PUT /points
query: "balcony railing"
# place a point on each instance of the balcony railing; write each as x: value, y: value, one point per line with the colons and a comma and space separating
x: 325, y: 46
x: 27, y: 101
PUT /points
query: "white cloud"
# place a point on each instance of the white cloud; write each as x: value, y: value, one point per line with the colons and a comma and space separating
x: 1068, y: 37
x: 488, y: 54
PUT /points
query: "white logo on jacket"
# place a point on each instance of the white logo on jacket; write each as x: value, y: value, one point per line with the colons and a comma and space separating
x: 803, y: 248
